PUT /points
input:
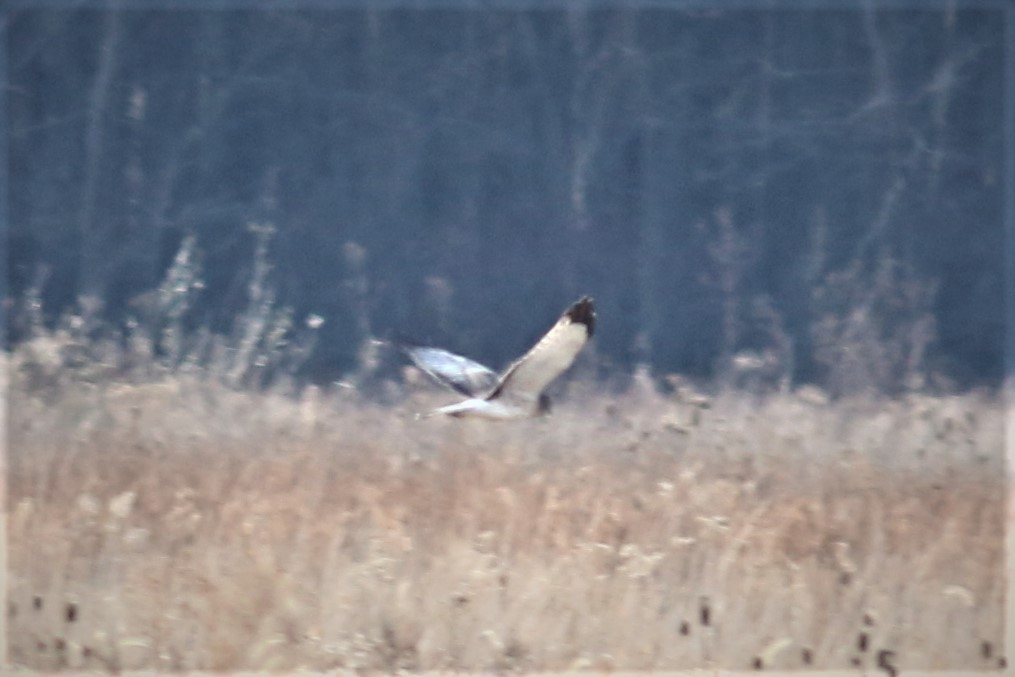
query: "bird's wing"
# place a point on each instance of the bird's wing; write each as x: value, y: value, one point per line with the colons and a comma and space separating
x: 475, y: 407
x: 551, y: 356
x: 460, y: 373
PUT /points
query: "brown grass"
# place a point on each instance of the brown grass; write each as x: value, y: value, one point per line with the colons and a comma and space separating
x: 179, y: 525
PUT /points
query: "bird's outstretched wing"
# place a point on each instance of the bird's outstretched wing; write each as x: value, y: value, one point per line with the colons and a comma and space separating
x: 551, y: 356
x: 460, y: 373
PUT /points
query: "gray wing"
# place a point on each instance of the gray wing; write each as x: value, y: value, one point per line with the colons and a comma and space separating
x: 551, y: 356
x: 464, y: 375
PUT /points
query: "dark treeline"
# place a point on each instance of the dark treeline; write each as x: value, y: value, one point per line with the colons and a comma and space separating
x: 823, y: 188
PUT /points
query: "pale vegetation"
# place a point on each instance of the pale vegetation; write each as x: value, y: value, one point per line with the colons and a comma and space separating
x: 175, y: 522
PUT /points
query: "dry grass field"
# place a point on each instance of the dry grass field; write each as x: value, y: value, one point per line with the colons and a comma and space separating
x: 179, y: 525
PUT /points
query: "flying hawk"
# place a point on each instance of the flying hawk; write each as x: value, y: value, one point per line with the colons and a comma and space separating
x: 518, y: 391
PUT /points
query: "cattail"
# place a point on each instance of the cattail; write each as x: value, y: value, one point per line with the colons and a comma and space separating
x: 861, y: 642
x: 71, y: 612
x: 705, y: 612
x: 884, y: 662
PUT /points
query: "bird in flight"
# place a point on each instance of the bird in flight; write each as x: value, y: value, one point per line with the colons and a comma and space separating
x: 519, y: 391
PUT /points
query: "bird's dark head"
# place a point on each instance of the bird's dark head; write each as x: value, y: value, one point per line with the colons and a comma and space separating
x: 583, y: 312
x: 543, y: 406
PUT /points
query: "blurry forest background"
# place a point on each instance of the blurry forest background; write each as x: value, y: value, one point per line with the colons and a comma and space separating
x: 816, y: 193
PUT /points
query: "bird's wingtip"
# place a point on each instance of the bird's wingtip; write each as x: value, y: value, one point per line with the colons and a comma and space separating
x: 583, y: 312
